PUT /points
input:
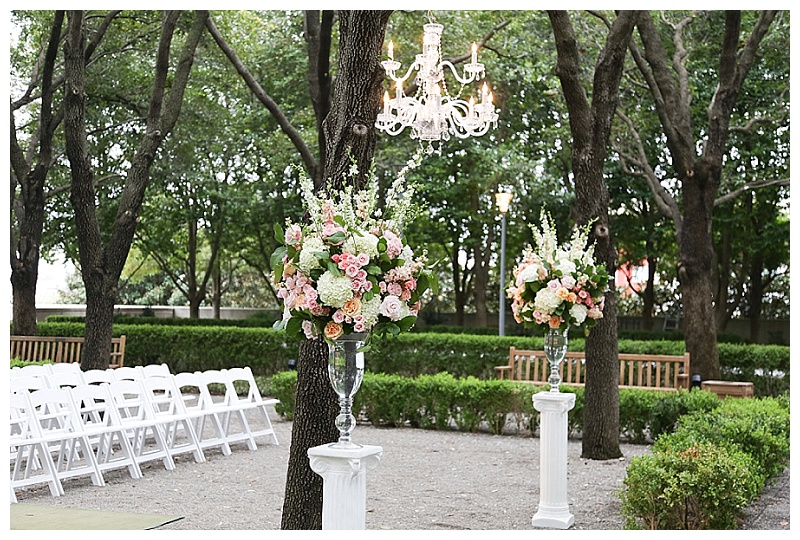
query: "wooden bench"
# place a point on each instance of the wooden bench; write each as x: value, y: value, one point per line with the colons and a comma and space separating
x: 729, y: 388
x: 644, y: 371
x: 60, y: 349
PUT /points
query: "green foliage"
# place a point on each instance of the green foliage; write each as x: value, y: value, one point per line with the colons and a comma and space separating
x: 669, y: 407
x: 698, y: 487
x: 759, y: 427
x: 409, y: 355
x: 261, y: 320
x: 715, y: 462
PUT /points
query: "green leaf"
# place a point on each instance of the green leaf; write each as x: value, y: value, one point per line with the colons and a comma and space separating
x: 280, y: 236
x: 382, y: 244
x: 294, y: 326
x: 336, y: 238
x: 406, y: 323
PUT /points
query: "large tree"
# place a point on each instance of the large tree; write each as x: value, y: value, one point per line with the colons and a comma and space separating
x: 349, y: 131
x: 590, y: 124
x: 697, y: 154
x: 103, y: 256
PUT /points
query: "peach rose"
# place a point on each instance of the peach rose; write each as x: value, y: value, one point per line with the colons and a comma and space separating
x: 555, y: 322
x: 333, y: 330
x: 352, y: 307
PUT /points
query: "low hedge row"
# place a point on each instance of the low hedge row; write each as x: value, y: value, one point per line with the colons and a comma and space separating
x: 188, y: 348
x: 442, y: 401
x: 714, y: 464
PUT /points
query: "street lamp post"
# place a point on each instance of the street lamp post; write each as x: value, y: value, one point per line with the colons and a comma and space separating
x: 503, y: 201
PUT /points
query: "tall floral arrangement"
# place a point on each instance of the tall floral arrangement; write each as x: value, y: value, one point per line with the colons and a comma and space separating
x: 349, y: 269
x: 557, y: 287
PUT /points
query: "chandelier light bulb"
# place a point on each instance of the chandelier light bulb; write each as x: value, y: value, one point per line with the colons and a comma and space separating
x: 432, y: 113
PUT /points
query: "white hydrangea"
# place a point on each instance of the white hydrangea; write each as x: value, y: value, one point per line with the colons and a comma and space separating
x: 307, y: 260
x: 334, y: 290
x: 546, y: 301
x: 566, y: 266
x: 367, y: 243
x: 578, y: 312
x: 371, y: 309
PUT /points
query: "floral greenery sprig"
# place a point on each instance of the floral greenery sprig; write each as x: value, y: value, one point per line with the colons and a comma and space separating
x: 555, y: 287
x: 349, y: 270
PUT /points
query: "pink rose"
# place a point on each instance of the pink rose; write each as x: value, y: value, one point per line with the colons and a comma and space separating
x: 391, y: 307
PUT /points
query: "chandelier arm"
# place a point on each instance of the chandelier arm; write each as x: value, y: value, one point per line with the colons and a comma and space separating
x: 411, y: 68
x: 468, y: 80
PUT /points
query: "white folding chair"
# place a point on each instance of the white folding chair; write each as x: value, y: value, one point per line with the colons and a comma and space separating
x: 31, y: 462
x: 98, y: 376
x: 155, y: 370
x: 198, y: 402
x: 251, y: 399
x: 176, y: 423
x: 101, y: 423
x: 35, y: 370
x: 128, y: 373
x: 27, y: 382
x: 141, y: 425
x: 61, y: 379
x: 65, y: 367
x: 54, y: 411
x: 230, y: 414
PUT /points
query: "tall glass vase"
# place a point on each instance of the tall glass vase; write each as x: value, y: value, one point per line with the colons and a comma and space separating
x: 555, y: 348
x: 346, y: 371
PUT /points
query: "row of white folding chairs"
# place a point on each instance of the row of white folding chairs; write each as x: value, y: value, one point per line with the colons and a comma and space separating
x: 72, y: 371
x: 232, y: 408
x: 59, y: 433
x: 193, y: 413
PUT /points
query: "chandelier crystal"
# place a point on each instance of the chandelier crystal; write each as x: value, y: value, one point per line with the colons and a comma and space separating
x: 432, y: 113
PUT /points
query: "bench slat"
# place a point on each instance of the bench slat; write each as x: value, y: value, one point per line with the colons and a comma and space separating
x: 59, y: 349
x: 647, y: 371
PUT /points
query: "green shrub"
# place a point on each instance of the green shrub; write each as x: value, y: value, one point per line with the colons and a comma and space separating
x: 635, y: 406
x: 667, y: 408
x: 698, y: 487
x: 758, y: 427
x: 281, y: 386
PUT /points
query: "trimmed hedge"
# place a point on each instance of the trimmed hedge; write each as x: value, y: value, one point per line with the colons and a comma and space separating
x: 714, y: 464
x: 442, y: 401
x: 193, y: 348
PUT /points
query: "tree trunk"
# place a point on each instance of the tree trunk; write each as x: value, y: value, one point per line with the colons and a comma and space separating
x: 28, y: 210
x: 590, y: 126
x: 349, y: 130
x: 101, y: 265
x: 695, y: 270
x: 314, y: 418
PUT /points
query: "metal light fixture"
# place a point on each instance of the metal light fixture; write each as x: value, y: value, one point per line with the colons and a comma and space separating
x: 503, y: 200
x: 432, y: 113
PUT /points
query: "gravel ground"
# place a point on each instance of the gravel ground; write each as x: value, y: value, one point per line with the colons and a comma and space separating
x: 425, y: 480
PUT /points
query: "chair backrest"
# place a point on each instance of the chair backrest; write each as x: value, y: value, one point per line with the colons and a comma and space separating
x: 94, y: 405
x: 27, y: 382
x: 54, y: 412
x: 130, y: 399
x: 65, y: 367
x: 163, y: 395
x: 128, y: 373
x: 95, y: 376
x: 155, y: 370
x: 244, y: 376
x: 216, y: 380
x: 35, y: 370
x: 65, y: 378
x: 192, y: 390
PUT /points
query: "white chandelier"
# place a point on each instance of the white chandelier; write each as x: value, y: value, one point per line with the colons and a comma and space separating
x: 432, y: 113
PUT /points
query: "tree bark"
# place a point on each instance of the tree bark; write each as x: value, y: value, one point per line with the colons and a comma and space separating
x: 349, y: 130
x: 102, y: 263
x: 28, y: 210
x: 590, y: 126
x: 699, y: 178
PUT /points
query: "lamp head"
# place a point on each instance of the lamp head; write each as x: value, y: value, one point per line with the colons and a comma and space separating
x: 503, y: 201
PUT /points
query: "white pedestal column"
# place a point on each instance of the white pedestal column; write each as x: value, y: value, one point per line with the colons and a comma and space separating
x: 553, y: 506
x: 344, y: 488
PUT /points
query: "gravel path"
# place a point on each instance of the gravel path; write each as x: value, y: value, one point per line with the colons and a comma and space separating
x: 425, y: 480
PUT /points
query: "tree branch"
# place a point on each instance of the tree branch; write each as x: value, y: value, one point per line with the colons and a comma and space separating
x: 757, y: 184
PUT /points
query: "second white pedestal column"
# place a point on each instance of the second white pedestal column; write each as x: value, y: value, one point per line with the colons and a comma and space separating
x: 344, y: 488
x: 553, y: 505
